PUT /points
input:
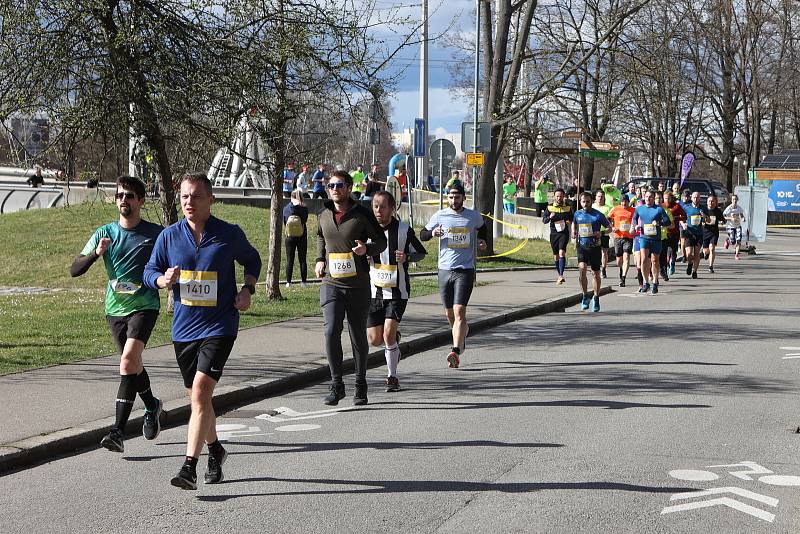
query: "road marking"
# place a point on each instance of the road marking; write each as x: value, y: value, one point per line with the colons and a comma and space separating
x: 752, y: 469
x: 297, y: 428
x: 791, y: 357
x: 694, y: 475
x: 789, y: 348
x: 722, y: 501
x: 766, y: 499
x: 780, y: 480
x: 292, y: 415
x: 227, y: 431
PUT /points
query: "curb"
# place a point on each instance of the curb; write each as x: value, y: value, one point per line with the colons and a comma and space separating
x: 37, y: 449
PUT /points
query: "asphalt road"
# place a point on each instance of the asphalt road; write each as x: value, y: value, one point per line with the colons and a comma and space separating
x: 668, y: 413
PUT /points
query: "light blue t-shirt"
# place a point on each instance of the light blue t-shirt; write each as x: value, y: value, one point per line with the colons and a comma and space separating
x: 694, y: 218
x: 457, y: 245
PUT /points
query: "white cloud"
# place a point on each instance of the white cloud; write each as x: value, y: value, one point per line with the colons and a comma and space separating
x: 445, y: 112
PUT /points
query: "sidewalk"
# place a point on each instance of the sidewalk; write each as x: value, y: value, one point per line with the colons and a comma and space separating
x: 57, y: 410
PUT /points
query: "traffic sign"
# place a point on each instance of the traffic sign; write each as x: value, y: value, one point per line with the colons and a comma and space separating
x: 395, y: 189
x: 475, y: 158
x: 443, y: 154
x: 600, y: 154
x: 484, y: 143
x: 420, y: 138
x: 598, y: 145
x: 558, y: 150
x: 571, y: 134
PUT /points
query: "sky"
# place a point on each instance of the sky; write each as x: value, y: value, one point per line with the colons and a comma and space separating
x: 446, y: 112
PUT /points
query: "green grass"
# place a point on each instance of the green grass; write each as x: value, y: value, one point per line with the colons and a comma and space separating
x: 42, y: 329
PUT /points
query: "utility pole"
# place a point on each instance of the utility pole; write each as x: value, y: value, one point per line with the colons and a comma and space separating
x: 422, y: 162
x: 475, y: 116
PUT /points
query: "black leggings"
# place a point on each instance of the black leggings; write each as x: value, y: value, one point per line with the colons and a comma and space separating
x: 300, y: 245
x: 338, y: 303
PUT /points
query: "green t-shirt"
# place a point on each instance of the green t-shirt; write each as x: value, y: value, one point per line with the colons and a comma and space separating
x: 509, y: 193
x: 125, y: 259
x: 613, y: 195
x: 358, y: 180
x: 540, y: 192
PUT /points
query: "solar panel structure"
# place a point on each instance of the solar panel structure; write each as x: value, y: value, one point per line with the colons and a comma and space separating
x: 789, y: 160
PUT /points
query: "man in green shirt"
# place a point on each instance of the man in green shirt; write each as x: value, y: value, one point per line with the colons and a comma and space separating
x: 541, y: 188
x: 131, y: 308
x: 358, y: 181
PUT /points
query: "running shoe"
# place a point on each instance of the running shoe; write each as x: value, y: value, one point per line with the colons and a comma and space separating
x: 604, y: 273
x: 727, y: 243
x: 738, y: 257
x: 689, y: 269
x: 214, y: 470
x: 392, y: 384
x: 452, y: 360
x: 185, y: 479
x: 151, y: 426
x: 644, y: 289
x: 113, y: 441
x: 694, y: 274
x: 585, y: 302
x: 288, y: 284
x: 336, y: 394
x: 596, y: 304
x: 561, y: 280
x: 621, y: 282
x: 672, y: 268
x: 655, y: 289
x: 711, y: 269
x: 360, y: 396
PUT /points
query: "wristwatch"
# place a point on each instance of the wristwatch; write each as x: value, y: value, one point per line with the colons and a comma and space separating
x: 250, y: 287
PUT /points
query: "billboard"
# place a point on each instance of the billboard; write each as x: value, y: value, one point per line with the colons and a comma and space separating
x: 784, y: 195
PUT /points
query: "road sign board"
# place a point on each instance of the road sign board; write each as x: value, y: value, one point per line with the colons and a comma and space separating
x: 484, y: 143
x: 571, y: 134
x: 475, y: 158
x: 598, y: 145
x: 443, y: 154
x: 558, y: 150
x: 394, y: 189
x: 600, y: 154
x: 420, y: 138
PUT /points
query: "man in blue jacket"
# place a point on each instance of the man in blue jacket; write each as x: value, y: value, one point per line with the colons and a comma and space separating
x: 194, y: 258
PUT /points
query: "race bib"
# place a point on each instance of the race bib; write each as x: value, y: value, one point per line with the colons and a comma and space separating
x: 585, y: 230
x: 695, y: 220
x: 651, y: 229
x: 712, y: 219
x: 458, y: 237
x: 124, y: 288
x: 198, y: 288
x: 625, y: 227
x: 341, y: 264
x: 559, y: 225
x: 383, y: 275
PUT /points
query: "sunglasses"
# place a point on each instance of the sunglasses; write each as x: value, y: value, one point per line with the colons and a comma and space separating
x: 336, y: 185
x: 126, y: 196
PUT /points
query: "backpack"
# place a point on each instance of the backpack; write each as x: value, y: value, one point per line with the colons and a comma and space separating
x: 294, y: 226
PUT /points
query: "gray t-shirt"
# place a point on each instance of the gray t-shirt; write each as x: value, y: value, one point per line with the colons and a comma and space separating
x: 457, y: 244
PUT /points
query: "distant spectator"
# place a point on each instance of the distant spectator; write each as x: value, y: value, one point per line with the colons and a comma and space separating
x: 510, y: 195
x: 289, y: 177
x: 374, y: 183
x: 318, y: 182
x: 541, y: 188
x: 359, y: 181
x: 37, y: 179
x: 295, y: 218
x: 302, y: 181
x: 454, y: 181
x: 432, y: 184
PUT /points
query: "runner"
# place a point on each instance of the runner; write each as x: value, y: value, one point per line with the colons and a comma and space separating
x: 587, y: 232
x: 131, y: 310
x: 318, y: 181
x: 662, y: 256
x: 559, y: 216
x: 649, y: 219
x: 711, y: 231
x: 685, y: 200
x: 347, y: 235
x: 194, y: 258
x: 605, y: 242
x: 613, y: 194
x: 693, y: 233
x: 457, y: 229
x: 391, y: 285
x: 289, y: 178
x: 734, y: 216
x: 359, y: 181
x: 674, y: 231
x: 631, y: 194
x: 620, y: 218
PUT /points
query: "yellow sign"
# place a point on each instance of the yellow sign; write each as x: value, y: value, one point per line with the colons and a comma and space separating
x: 475, y: 158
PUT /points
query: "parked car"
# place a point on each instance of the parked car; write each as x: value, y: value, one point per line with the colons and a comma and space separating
x: 703, y: 185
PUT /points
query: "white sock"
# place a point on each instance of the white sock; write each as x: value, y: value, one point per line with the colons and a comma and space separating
x: 392, y: 354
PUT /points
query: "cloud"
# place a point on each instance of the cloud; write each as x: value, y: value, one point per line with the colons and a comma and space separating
x: 444, y: 110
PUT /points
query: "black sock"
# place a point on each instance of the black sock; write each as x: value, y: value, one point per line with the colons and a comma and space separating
x: 191, y: 461
x: 125, y: 397
x: 143, y: 387
x: 640, y: 278
x: 216, y: 449
x: 456, y: 350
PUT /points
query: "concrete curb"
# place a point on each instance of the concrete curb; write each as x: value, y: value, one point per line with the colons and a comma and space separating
x: 37, y: 449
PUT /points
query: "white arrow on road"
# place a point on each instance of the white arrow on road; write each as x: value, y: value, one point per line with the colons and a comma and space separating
x: 752, y: 469
x: 724, y: 501
x: 291, y: 415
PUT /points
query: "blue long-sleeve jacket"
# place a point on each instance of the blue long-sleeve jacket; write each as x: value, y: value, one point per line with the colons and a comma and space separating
x: 205, y: 294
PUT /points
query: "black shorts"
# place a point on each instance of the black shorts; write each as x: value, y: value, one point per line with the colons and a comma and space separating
x: 692, y: 240
x: 382, y: 309
x: 592, y: 256
x: 138, y: 325
x: 605, y: 241
x: 623, y: 245
x: 455, y: 286
x: 710, y: 238
x: 559, y: 241
x: 206, y: 355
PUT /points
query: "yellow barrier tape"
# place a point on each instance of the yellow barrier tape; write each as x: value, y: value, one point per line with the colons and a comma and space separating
x: 512, y: 225
x: 508, y: 252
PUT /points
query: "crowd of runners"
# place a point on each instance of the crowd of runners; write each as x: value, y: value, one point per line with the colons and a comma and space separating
x: 362, y: 258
